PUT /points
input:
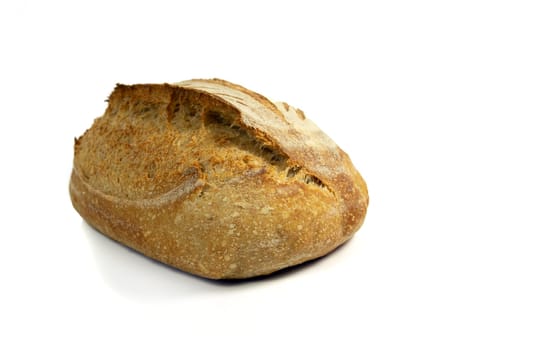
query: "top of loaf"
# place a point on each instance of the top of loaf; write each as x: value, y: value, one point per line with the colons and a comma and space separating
x: 168, y: 134
x: 278, y: 124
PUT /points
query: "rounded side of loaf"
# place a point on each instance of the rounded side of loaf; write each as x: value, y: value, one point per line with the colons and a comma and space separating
x: 215, y: 180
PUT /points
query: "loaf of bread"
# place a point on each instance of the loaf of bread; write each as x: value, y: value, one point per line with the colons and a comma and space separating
x: 215, y: 180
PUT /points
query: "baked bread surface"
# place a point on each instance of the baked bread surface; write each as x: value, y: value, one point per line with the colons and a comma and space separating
x: 215, y: 180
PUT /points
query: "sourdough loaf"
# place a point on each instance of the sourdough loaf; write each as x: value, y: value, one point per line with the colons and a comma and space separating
x: 215, y: 180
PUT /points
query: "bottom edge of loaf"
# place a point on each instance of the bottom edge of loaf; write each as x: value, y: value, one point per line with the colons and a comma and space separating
x: 273, y: 271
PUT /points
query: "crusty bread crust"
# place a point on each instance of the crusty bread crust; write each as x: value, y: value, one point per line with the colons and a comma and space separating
x: 215, y: 180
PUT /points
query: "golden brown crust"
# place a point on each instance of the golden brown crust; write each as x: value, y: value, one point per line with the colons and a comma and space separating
x: 214, y: 179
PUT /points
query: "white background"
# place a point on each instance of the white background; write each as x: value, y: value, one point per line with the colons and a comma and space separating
x: 442, y: 105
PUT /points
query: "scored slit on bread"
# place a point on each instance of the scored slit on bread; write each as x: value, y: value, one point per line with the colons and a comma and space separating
x: 143, y: 147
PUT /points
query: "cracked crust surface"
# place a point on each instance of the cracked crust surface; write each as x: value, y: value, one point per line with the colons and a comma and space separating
x: 215, y: 180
